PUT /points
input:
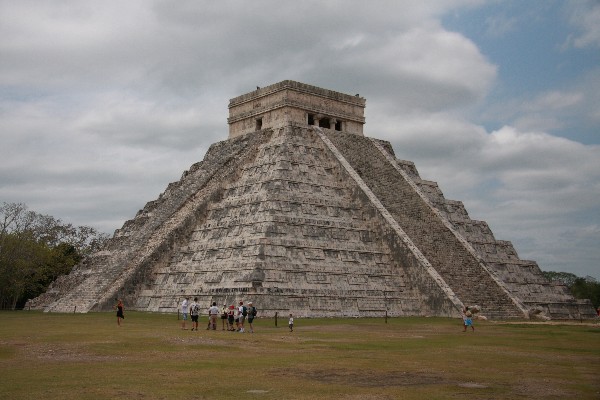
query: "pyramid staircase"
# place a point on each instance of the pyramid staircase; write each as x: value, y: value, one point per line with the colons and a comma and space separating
x: 292, y: 232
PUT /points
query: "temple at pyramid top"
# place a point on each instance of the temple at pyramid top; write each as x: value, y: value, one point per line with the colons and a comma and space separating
x: 289, y: 101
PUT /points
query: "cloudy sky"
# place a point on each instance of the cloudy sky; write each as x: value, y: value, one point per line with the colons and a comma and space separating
x: 102, y: 104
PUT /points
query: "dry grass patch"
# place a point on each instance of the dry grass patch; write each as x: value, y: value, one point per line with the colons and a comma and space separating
x: 67, y: 356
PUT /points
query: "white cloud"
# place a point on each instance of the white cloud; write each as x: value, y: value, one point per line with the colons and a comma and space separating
x: 554, y: 100
x: 124, y: 120
x: 585, y: 17
x: 549, y: 111
x: 500, y: 25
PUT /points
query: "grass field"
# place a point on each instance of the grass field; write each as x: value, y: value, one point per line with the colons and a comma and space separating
x: 87, y: 356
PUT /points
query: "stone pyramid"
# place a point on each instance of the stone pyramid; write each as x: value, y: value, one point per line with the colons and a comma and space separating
x: 299, y: 212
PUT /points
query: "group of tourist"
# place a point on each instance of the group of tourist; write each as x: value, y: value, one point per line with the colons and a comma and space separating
x: 229, y: 315
x: 232, y: 315
x: 232, y: 318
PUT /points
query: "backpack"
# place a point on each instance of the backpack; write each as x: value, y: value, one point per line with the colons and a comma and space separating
x: 253, y: 312
x: 244, y: 311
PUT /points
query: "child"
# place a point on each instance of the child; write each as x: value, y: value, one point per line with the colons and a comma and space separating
x: 291, y: 323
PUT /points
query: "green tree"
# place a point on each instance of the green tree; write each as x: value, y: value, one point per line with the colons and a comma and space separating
x: 566, y: 278
x: 587, y: 288
x: 35, y: 249
x: 20, y: 259
x: 581, y: 288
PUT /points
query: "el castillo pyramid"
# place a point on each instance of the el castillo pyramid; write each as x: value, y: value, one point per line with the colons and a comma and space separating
x: 299, y: 212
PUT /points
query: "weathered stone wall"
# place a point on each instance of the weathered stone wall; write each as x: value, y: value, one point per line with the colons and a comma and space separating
x: 446, y: 253
x: 295, y: 234
x: 290, y: 101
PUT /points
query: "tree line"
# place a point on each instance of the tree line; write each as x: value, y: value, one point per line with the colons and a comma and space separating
x: 581, y: 288
x: 35, y: 249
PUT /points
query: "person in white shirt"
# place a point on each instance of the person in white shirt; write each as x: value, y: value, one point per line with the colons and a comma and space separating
x: 291, y: 323
x: 241, y: 316
x: 184, y: 311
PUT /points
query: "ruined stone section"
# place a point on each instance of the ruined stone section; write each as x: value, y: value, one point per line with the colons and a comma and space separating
x: 295, y: 234
x: 396, y: 235
x: 447, y: 254
x: 406, y: 166
x: 521, y: 277
x: 485, y: 269
x: 277, y: 105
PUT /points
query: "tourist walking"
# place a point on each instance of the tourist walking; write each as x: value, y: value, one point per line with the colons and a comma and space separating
x: 184, y: 312
x: 213, y: 311
x: 467, y: 320
x: 252, y: 311
x: 120, y: 314
x: 195, y: 313
x: 291, y: 323
x: 242, y: 312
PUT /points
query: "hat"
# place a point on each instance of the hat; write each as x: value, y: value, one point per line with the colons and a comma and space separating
x: 231, y: 307
x: 249, y: 302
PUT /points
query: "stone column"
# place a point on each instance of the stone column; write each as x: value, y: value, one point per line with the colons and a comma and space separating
x: 317, y: 118
x: 332, y: 123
